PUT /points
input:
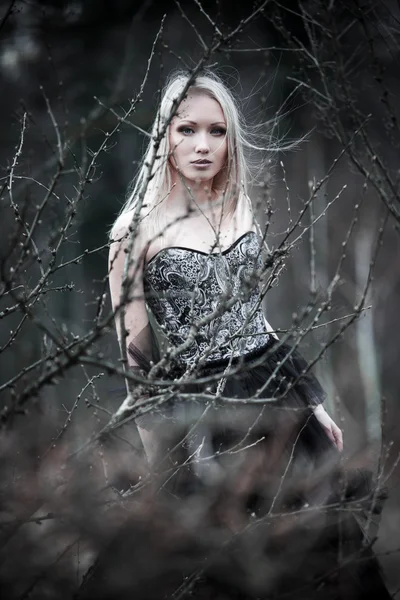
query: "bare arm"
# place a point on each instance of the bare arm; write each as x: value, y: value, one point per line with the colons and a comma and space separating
x: 270, y: 329
x: 135, y: 323
x: 332, y: 430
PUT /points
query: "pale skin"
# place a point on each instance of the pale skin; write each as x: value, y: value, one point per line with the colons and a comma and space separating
x: 197, y: 132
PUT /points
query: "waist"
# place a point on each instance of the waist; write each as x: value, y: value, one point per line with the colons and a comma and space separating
x: 214, y: 364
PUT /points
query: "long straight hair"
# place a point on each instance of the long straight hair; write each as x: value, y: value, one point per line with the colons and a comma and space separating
x: 232, y: 182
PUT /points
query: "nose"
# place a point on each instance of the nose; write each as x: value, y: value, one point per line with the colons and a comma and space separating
x: 202, y: 145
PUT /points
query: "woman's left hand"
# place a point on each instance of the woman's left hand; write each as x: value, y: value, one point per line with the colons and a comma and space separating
x: 331, y: 429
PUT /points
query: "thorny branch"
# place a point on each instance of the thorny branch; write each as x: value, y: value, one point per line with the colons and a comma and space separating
x: 37, y: 261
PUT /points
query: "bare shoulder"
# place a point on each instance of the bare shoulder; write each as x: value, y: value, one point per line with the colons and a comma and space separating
x: 124, y: 225
x: 250, y: 221
x: 121, y: 227
x: 120, y: 236
x: 246, y: 215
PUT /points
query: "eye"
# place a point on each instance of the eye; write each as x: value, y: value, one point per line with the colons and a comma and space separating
x: 218, y: 131
x: 185, y: 130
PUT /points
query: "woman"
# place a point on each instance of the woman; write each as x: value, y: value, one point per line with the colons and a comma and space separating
x: 185, y: 268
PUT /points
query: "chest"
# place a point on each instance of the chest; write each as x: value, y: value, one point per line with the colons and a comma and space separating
x: 196, y: 237
x: 183, y: 271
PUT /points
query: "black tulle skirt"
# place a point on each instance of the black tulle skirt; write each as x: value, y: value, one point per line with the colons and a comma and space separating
x: 271, y: 392
x: 245, y: 434
x: 251, y: 500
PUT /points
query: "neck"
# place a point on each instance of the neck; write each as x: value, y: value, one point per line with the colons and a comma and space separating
x: 194, y: 199
x: 193, y: 193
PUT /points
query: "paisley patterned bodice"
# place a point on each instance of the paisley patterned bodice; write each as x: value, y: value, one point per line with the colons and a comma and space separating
x: 208, y: 305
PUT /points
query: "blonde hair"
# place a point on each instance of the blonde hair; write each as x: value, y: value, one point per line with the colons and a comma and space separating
x: 236, y: 175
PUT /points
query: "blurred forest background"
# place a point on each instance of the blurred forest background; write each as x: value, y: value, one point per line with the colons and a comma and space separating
x: 69, y: 71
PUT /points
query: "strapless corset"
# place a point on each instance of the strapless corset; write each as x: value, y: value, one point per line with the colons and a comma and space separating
x: 208, y: 305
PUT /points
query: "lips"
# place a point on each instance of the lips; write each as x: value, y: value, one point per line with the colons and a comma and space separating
x: 203, y: 161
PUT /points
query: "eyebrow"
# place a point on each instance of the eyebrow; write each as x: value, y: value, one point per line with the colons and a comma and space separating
x: 194, y: 122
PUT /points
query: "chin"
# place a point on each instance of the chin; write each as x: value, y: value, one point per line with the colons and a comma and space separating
x: 204, y: 175
x: 199, y: 178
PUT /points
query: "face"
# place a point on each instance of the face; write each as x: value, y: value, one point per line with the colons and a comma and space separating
x: 197, y: 137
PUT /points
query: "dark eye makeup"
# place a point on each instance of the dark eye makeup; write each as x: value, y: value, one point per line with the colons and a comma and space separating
x: 186, y: 128
x: 221, y: 130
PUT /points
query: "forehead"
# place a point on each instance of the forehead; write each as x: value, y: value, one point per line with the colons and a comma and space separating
x: 200, y: 107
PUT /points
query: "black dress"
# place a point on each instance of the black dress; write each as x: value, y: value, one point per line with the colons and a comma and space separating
x: 232, y: 410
